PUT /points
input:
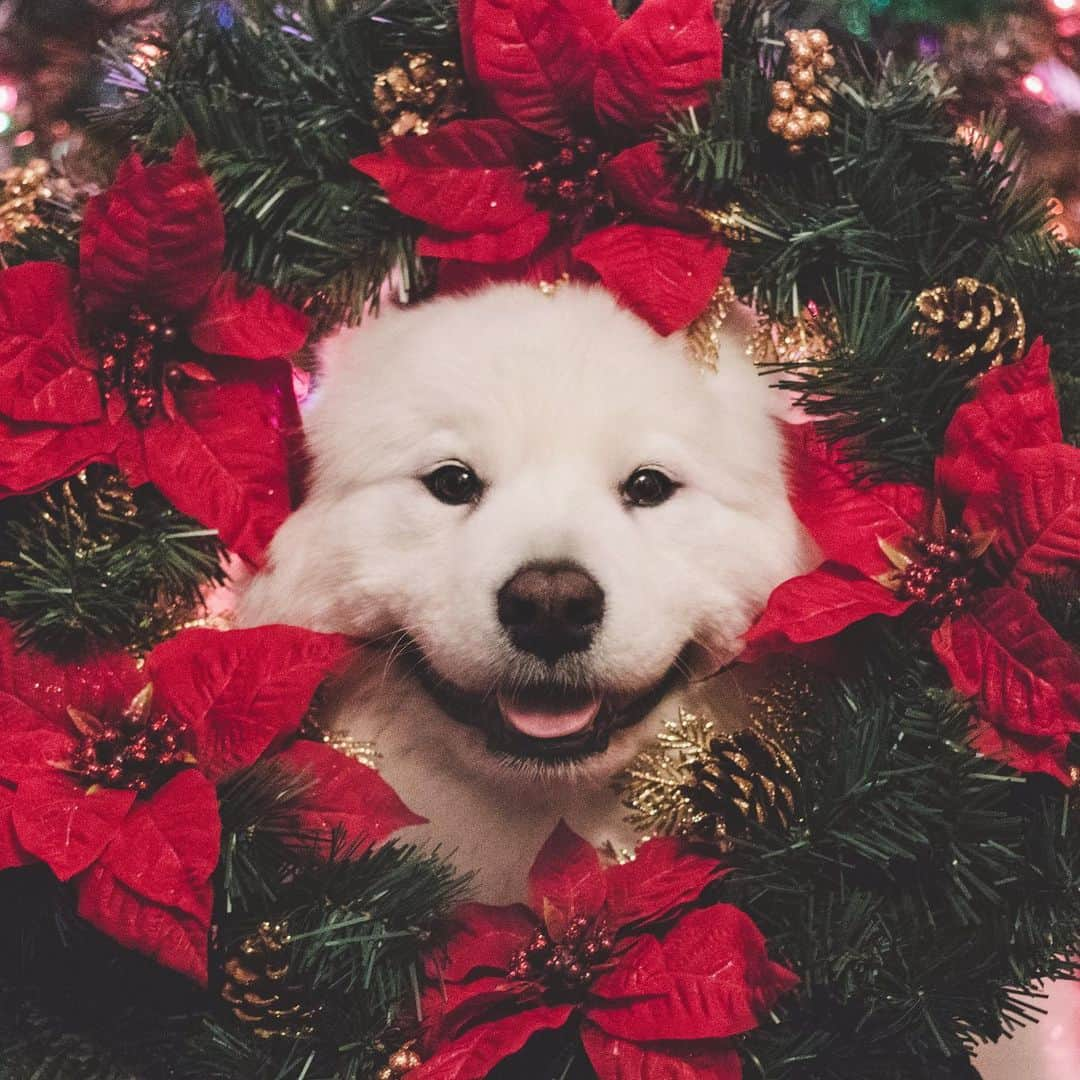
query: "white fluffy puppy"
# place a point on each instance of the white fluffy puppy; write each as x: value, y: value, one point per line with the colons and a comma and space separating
x: 543, y: 518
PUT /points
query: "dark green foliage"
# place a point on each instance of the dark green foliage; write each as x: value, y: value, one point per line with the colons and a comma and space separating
x: 67, y: 1011
x: 88, y: 562
x: 922, y: 893
x: 280, y: 103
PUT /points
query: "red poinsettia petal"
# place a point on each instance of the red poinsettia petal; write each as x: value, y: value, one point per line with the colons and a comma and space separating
x: 535, y: 59
x: 620, y: 1059
x: 12, y: 853
x: 64, y: 826
x: 474, y: 1054
x: 847, y: 518
x: 169, y: 846
x: 344, y: 795
x: 452, y: 1009
x: 566, y: 879
x: 45, y: 375
x: 513, y: 244
x: 250, y: 323
x: 666, y: 277
x: 641, y: 971
x: 463, y: 178
x: 225, y: 459
x: 717, y: 982
x: 1036, y: 514
x: 32, y: 751
x: 1024, y: 678
x: 240, y: 690
x: 1014, y: 407
x: 151, y: 888
x: 662, y: 877
x: 101, y: 683
x: 660, y: 60
x: 641, y: 180
x: 816, y: 606
x: 485, y: 938
x: 156, y: 237
x: 1025, y: 753
x: 32, y: 456
x: 549, y: 262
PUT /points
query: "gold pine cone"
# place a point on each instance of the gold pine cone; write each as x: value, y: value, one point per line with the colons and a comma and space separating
x: 970, y: 322
x: 257, y: 986
x: 746, y: 778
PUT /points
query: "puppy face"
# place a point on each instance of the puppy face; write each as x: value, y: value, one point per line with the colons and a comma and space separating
x: 545, y: 504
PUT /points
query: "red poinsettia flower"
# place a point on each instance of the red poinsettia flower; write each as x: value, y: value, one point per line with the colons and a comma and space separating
x: 1006, y: 509
x: 107, y: 772
x: 153, y: 359
x: 566, y: 175
x: 650, y: 1001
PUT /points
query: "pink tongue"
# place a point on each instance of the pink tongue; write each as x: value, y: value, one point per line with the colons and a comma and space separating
x: 548, y: 725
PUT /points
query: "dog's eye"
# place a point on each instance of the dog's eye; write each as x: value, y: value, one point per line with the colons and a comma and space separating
x: 648, y: 487
x: 454, y: 484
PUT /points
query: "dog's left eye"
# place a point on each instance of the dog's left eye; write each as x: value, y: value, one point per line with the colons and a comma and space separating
x: 454, y: 484
x: 648, y: 487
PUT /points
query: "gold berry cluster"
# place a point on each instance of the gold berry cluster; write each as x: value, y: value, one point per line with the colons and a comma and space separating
x: 798, y: 100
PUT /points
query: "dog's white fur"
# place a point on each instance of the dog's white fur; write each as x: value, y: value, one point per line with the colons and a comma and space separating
x: 554, y: 401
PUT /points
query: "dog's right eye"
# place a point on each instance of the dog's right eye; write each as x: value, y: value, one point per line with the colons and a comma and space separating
x: 454, y: 484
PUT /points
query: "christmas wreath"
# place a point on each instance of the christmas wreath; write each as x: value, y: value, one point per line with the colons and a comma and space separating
x: 871, y: 879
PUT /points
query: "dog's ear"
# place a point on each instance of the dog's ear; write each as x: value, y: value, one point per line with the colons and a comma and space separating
x: 300, y: 583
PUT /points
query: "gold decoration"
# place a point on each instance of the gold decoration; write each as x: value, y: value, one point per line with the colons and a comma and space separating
x: 23, y: 188
x: 653, y: 787
x: 727, y: 222
x: 400, y: 1063
x: 550, y: 288
x: 416, y: 94
x: 798, y: 100
x: 707, y: 786
x: 703, y: 335
x: 258, y: 989
x: 361, y: 750
x: 968, y: 322
x: 811, y: 337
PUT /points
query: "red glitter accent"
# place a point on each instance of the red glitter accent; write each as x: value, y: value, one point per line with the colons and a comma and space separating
x: 942, y: 572
x: 137, y: 358
x: 566, y: 965
x: 570, y: 185
x: 140, y: 750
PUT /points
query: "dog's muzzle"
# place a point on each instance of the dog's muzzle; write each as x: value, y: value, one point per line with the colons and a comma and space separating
x: 544, y: 722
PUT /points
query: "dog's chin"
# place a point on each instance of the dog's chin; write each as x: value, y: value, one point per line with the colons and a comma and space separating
x: 546, y: 724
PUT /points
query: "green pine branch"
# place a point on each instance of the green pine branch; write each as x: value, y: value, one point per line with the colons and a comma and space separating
x: 89, y: 562
x: 921, y: 895
x: 891, y: 203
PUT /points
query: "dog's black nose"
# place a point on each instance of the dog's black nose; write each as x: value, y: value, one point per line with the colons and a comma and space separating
x: 551, y: 609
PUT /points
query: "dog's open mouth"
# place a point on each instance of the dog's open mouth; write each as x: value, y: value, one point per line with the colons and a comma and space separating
x: 546, y: 721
